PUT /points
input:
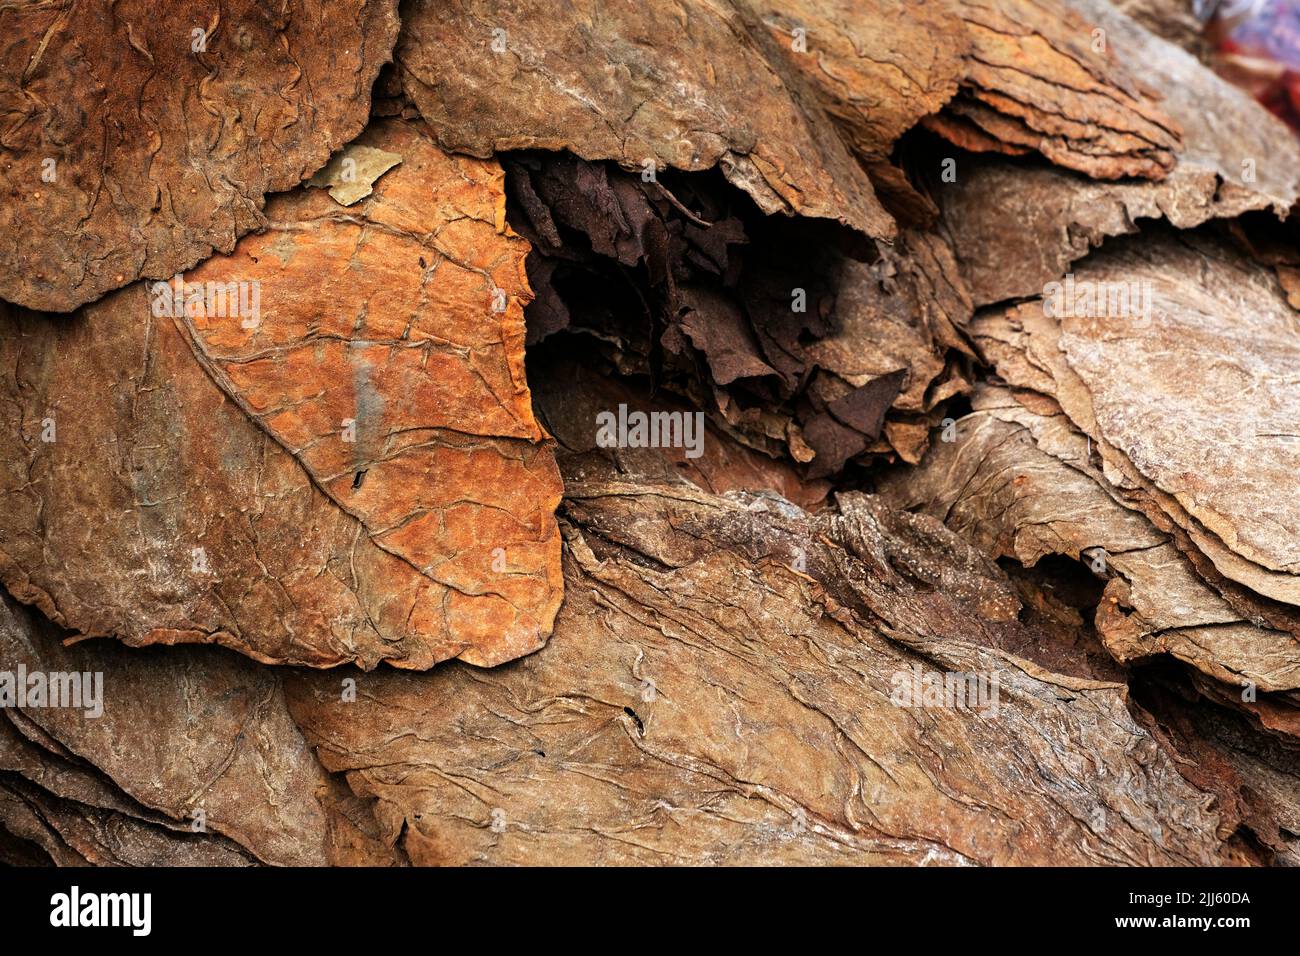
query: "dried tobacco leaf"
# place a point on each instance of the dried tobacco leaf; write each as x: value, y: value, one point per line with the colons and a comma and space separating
x: 1036, y: 78
x: 74, y: 834
x: 1015, y: 228
x: 704, y: 701
x: 1174, y: 20
x: 1011, y: 75
x: 1141, y: 322
x: 687, y: 89
x: 138, y: 138
x: 878, y: 66
x: 1019, y: 482
x: 192, y: 734
x: 345, y: 467
x: 323, y: 450
x: 351, y: 173
x: 1257, y: 777
x: 571, y: 396
x: 790, y: 345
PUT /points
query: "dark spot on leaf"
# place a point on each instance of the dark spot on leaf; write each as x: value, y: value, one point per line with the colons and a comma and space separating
x: 633, y: 714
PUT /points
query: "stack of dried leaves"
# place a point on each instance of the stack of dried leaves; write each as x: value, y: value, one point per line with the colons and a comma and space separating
x: 311, y: 321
